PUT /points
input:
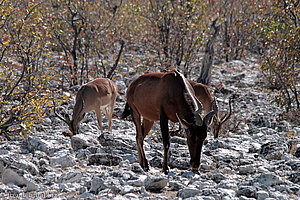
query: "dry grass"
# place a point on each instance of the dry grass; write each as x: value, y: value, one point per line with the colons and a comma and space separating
x: 292, y: 116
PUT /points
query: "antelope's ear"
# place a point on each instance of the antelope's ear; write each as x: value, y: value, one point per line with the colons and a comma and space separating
x: 176, y: 73
x: 67, y: 117
x: 184, y: 123
x: 207, y: 119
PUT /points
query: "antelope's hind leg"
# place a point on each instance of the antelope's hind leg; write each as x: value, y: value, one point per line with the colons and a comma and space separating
x: 99, y: 119
x: 140, y: 140
x: 109, y: 115
x: 166, y: 141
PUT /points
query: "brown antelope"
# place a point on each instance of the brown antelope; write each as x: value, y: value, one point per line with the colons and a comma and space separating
x: 99, y: 94
x: 207, y: 100
x: 167, y: 96
x: 203, y: 95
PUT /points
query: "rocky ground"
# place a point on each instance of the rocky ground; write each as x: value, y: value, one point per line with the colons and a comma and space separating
x: 256, y: 157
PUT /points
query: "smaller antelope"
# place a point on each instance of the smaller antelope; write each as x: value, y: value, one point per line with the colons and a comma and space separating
x: 204, y: 96
x: 99, y: 94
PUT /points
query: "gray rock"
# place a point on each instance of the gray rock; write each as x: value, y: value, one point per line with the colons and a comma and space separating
x: 247, y: 169
x: 121, y: 86
x: 136, y: 167
x: 268, y: 179
x: 188, y: 174
x: 239, y: 76
x: 124, y: 164
x: 63, y: 160
x: 297, y: 151
x: 2, y: 166
x: 138, y: 182
x: 228, y: 184
x: 226, y: 155
x: 10, y: 176
x: 294, y: 177
x: 156, y: 162
x: 279, y: 195
x: 178, y: 140
x: 180, y: 163
x: 261, y: 121
x: 129, y: 189
x: 104, y: 159
x: 228, y: 193
x: 188, y: 192
x: 82, y: 141
x: 130, y: 196
x: 31, y: 185
x: 294, y: 164
x: 110, y: 140
x: 155, y: 183
x: 28, y: 166
x: 174, y: 185
x: 34, y: 143
x: 216, y: 177
x: 87, y: 195
x: 248, y: 191
x: 261, y: 195
x: 47, y: 121
x: 272, y: 150
x: 254, y: 147
x: 51, y: 177
x: 97, y: 184
x: 70, y: 177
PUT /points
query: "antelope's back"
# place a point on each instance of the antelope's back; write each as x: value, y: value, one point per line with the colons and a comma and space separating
x: 96, y: 93
x: 143, y: 94
x: 203, y: 94
x: 150, y: 92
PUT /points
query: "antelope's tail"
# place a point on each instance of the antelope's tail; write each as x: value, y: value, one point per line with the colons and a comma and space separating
x: 126, y: 111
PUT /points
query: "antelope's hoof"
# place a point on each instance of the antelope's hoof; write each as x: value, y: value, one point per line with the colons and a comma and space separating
x: 67, y: 134
x: 195, y: 170
x: 146, y: 168
x: 166, y: 171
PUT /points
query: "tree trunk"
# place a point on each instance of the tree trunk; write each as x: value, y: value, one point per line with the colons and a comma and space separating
x: 205, y: 70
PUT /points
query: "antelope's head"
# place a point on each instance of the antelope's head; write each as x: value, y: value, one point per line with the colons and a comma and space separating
x: 218, y: 122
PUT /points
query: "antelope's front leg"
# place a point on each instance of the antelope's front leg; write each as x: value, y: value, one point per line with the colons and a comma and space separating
x: 166, y: 141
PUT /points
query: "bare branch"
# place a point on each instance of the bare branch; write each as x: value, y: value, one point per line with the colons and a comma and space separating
x: 110, y: 73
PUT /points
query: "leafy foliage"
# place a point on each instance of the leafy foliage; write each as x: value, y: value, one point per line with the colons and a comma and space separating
x: 47, y: 47
x: 172, y: 32
x: 279, y: 31
x: 24, y: 97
